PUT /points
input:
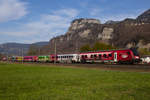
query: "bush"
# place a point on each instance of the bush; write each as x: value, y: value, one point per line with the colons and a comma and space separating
x: 102, y: 46
x: 144, y: 51
x: 85, y: 48
x: 97, y: 46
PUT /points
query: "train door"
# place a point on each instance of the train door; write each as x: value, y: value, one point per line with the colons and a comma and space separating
x: 115, y: 56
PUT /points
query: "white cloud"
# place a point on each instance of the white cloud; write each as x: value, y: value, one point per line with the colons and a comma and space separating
x: 51, y: 23
x: 12, y: 10
x: 46, y: 27
x: 95, y: 11
x: 67, y: 12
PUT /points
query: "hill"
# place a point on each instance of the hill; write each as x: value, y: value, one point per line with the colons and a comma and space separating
x: 123, y: 34
x: 18, y: 48
x: 144, y: 17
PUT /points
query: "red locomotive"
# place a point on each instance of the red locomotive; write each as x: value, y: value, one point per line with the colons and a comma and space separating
x: 112, y: 56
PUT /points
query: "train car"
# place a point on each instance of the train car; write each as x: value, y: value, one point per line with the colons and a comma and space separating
x: 43, y: 58
x: 4, y: 59
x: 13, y: 58
x: 68, y: 58
x: 35, y: 58
x: 145, y: 59
x: 19, y: 58
x: 30, y: 58
x: 112, y: 56
x: 53, y: 58
x: 101, y: 56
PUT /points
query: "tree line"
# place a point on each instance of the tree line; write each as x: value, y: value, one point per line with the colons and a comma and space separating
x: 97, y: 47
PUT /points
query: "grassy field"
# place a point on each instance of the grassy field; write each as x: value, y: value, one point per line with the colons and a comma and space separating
x: 41, y: 82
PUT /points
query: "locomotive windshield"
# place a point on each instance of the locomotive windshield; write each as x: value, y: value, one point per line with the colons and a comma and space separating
x: 134, y: 50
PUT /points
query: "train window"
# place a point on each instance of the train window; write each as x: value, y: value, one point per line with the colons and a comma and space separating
x: 82, y: 56
x: 110, y: 55
x: 134, y: 50
x: 95, y: 56
x: 100, y: 55
x: 105, y: 55
x: 91, y: 56
x: 128, y: 53
x: 85, y: 56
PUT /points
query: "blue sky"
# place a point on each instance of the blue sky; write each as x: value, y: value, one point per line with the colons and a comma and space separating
x: 29, y: 21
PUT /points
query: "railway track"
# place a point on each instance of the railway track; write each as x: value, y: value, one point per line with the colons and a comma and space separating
x: 135, y: 67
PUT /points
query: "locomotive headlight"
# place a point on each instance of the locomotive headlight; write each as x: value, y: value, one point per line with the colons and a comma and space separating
x: 136, y: 57
x: 124, y: 56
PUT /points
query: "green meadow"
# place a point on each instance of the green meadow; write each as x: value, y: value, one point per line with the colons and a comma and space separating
x: 50, y: 82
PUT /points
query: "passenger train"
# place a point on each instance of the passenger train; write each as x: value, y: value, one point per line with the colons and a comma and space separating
x: 129, y: 56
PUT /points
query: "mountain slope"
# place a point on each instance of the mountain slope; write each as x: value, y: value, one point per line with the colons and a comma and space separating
x: 18, y: 48
x: 144, y: 17
x: 126, y: 33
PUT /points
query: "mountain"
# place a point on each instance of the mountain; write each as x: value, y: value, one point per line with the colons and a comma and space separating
x: 111, y: 22
x: 81, y: 31
x: 18, y: 48
x: 122, y: 34
x: 144, y: 17
x: 40, y: 44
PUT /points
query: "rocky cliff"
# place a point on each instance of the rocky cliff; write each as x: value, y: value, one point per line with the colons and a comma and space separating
x: 126, y: 33
x: 81, y: 32
x: 145, y: 17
